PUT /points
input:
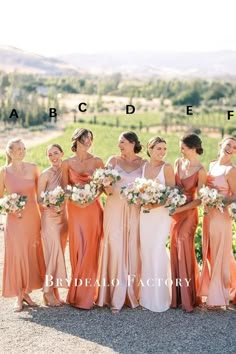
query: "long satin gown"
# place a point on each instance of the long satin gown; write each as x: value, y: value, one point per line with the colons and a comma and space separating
x: 218, y: 274
x: 156, y: 273
x: 184, y: 267
x: 120, y: 263
x: 54, y: 230
x: 24, y: 267
x: 85, y: 234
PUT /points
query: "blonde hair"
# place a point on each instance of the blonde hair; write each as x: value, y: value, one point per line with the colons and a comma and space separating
x: 9, y: 148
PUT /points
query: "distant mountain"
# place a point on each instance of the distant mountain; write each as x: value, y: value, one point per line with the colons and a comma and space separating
x: 220, y: 64
x: 14, y: 59
x: 183, y: 64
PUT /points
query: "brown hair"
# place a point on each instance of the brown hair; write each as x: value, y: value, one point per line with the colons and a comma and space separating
x: 192, y: 141
x: 133, y: 138
x: 9, y: 147
x: 154, y: 141
x: 56, y: 146
x: 79, y: 135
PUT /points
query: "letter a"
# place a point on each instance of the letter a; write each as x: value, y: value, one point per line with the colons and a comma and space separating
x: 13, y: 113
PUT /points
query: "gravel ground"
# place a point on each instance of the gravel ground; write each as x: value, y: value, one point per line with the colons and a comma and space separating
x: 69, y: 330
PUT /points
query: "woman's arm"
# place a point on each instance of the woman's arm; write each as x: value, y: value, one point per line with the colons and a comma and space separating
x: 2, y: 185
x: 65, y: 173
x: 169, y: 175
x: 42, y: 184
x: 231, y: 179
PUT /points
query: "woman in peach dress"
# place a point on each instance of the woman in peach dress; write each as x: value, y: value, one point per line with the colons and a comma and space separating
x: 85, y: 223
x: 24, y: 267
x: 190, y: 176
x: 219, y: 267
x: 120, y: 263
x: 53, y: 229
x: 154, y: 232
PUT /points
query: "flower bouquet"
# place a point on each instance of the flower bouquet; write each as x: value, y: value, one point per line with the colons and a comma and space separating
x: 144, y: 191
x: 13, y: 203
x: 53, y: 198
x: 174, y: 199
x: 211, y: 198
x: 82, y: 194
x: 104, y: 177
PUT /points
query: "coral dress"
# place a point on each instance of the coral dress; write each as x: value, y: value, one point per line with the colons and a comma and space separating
x: 54, y: 234
x: 218, y: 275
x: 85, y: 234
x: 24, y: 267
x: 156, y: 273
x: 120, y: 263
x: 184, y: 267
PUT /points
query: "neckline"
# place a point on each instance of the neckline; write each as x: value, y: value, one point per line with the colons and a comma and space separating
x: 144, y: 167
x: 27, y: 179
x: 182, y: 179
x: 128, y: 172
x: 79, y: 173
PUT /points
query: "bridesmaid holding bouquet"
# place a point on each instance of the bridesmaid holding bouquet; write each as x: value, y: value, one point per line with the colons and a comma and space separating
x: 24, y: 267
x: 154, y: 232
x: 190, y: 176
x: 219, y: 267
x: 53, y: 226
x: 85, y: 222
x: 120, y: 263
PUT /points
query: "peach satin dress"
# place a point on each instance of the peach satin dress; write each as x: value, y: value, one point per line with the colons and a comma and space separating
x: 218, y: 274
x: 184, y: 267
x: 85, y: 234
x: 24, y: 267
x: 54, y: 234
x: 120, y: 263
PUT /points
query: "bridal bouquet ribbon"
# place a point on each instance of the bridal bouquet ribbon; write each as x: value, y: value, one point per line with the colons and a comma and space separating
x: 211, y: 198
x: 174, y: 199
x: 82, y: 194
x: 105, y: 177
x: 144, y: 191
x: 13, y: 203
x: 53, y: 198
x: 232, y: 210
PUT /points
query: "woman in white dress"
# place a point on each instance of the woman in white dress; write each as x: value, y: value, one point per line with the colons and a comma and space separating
x: 154, y: 231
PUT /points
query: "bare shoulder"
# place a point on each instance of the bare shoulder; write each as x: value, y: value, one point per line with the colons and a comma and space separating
x: 98, y: 161
x: 112, y: 160
x: 232, y: 172
x: 142, y: 161
x: 168, y: 167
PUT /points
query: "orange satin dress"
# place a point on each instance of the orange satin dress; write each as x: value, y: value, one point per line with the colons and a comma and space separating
x: 54, y: 230
x: 120, y: 264
x: 184, y: 267
x: 85, y: 234
x: 24, y: 267
x: 219, y: 267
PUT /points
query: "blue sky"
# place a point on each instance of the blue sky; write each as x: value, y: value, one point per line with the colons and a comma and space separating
x: 54, y: 27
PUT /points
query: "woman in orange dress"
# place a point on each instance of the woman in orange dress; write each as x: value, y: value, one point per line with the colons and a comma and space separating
x: 85, y: 223
x: 190, y: 176
x: 53, y: 229
x: 24, y: 267
x: 121, y: 263
x: 219, y: 267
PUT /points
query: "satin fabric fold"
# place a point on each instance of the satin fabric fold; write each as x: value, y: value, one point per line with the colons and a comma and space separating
x: 85, y: 234
x: 218, y: 280
x: 54, y: 230
x: 120, y: 262
x: 24, y: 267
x: 184, y: 266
